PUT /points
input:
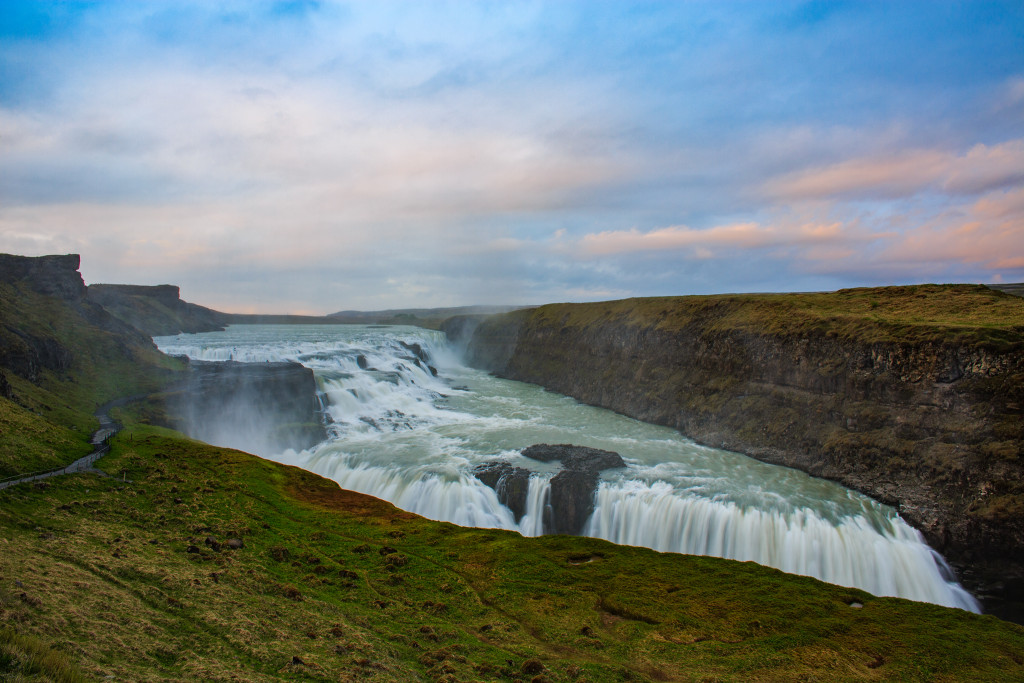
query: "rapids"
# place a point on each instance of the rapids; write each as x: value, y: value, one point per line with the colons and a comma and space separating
x: 408, y: 422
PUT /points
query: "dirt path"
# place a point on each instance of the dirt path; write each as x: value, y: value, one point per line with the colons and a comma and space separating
x: 108, y: 427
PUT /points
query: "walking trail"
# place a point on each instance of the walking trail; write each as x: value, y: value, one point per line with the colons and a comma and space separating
x: 100, y: 443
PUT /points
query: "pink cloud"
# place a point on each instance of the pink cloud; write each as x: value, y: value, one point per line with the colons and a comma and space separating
x: 705, y: 241
x: 980, y: 169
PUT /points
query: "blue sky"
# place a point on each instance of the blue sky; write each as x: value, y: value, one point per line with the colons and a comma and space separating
x: 319, y: 156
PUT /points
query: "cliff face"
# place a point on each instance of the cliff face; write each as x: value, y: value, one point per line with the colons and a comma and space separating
x: 929, y: 419
x: 156, y: 310
x: 61, y: 356
x: 50, y: 275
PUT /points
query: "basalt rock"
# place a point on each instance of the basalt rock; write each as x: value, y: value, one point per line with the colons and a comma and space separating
x: 574, y: 487
x: 156, y: 310
x: 510, y: 483
x: 572, y: 491
x: 575, y: 458
x: 50, y: 275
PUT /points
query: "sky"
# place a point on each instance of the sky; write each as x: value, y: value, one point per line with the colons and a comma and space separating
x: 310, y: 157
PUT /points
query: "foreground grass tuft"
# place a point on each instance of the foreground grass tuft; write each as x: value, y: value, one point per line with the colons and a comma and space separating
x: 25, y: 657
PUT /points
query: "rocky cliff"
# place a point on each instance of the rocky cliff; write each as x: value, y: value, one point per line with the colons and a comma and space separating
x: 50, y: 275
x: 913, y: 395
x: 44, y: 302
x: 156, y: 310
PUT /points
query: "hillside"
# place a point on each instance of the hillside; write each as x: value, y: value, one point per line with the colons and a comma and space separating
x: 156, y: 310
x: 913, y: 395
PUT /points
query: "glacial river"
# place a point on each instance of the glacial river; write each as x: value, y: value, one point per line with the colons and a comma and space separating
x: 401, y: 433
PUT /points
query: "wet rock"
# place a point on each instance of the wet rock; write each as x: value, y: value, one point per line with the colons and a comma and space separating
x: 510, y: 483
x: 416, y: 350
x: 256, y: 407
x: 574, y: 487
x: 578, y: 458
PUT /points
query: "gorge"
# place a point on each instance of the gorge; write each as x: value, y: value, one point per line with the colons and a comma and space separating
x: 410, y: 424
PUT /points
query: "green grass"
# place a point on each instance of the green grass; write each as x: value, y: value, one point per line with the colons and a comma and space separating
x: 356, y: 589
x: 31, y: 443
x: 949, y: 314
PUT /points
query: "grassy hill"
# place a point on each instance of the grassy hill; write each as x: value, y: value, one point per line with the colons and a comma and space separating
x: 60, y: 359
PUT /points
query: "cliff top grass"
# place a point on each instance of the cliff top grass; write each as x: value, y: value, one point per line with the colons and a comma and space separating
x: 132, y: 577
x: 962, y: 314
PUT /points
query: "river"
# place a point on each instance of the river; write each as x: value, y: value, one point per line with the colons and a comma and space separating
x: 408, y: 422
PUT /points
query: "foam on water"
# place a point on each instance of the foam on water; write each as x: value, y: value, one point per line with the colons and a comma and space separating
x: 400, y: 433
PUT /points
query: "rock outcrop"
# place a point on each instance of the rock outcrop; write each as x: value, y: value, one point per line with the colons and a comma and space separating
x: 572, y: 491
x: 50, y: 275
x: 262, y: 408
x: 510, y: 483
x: 48, y: 304
x: 927, y: 419
x: 156, y: 310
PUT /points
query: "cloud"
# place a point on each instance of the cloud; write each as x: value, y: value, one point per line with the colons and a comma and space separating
x: 906, y: 173
x: 704, y: 241
x: 330, y: 155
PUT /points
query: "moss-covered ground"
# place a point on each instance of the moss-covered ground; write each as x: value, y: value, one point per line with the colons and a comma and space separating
x: 133, y: 577
x: 950, y: 314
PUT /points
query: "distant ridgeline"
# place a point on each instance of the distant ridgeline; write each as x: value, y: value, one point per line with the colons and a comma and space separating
x: 913, y: 395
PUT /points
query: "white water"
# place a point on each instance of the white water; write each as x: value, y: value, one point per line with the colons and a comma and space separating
x: 404, y: 435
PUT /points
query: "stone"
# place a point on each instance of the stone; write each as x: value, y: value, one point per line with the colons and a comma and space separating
x: 510, y: 483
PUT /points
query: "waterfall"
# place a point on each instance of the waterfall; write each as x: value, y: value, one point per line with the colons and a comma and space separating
x: 408, y: 424
x: 896, y: 562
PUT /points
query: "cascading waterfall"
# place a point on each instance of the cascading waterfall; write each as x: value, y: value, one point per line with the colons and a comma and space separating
x: 408, y: 423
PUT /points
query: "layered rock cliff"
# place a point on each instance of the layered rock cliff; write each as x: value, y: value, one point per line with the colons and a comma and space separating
x: 913, y: 395
x: 156, y: 310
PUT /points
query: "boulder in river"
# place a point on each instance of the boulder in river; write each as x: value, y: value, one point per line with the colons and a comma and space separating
x: 571, y: 500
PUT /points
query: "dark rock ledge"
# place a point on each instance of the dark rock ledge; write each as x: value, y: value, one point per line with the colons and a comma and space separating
x: 572, y: 489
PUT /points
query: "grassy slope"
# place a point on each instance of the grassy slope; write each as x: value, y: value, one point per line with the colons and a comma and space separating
x: 971, y: 314
x: 356, y: 589
x: 49, y: 422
